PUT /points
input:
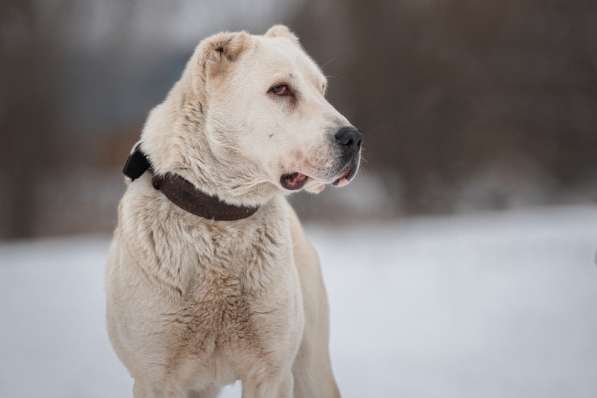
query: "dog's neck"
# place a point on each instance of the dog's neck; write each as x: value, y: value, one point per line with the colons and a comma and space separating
x: 182, y: 193
x: 174, y: 138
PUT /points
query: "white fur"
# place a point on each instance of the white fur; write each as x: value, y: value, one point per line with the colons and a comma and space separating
x: 195, y: 304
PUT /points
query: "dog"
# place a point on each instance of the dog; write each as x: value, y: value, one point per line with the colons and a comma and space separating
x: 210, y: 277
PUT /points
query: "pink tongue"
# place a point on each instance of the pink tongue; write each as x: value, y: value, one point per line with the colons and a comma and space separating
x: 342, y: 182
x: 297, y: 179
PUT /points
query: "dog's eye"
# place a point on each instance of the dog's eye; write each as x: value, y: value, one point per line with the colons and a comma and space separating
x: 281, y: 90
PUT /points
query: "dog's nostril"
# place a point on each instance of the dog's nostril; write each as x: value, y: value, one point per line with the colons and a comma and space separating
x: 349, y: 137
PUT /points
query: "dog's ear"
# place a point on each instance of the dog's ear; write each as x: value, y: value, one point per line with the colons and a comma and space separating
x: 281, y: 31
x: 221, y: 50
x: 215, y: 55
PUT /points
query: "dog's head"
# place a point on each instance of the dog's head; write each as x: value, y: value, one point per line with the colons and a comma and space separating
x: 264, y: 113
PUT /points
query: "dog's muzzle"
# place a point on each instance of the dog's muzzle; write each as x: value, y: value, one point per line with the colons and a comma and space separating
x: 348, y: 140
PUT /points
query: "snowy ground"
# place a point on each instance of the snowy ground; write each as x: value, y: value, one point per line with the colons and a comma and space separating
x: 493, y: 305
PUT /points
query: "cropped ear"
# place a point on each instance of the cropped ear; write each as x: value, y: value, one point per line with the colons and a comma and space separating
x: 281, y: 31
x: 216, y: 54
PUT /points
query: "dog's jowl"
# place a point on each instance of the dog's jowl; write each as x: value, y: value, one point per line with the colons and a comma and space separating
x: 210, y: 278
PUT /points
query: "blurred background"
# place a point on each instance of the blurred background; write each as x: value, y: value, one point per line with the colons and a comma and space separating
x: 466, y: 105
x: 475, y: 202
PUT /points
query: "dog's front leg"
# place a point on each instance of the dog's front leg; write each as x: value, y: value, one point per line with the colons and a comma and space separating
x: 271, y: 387
x: 144, y: 389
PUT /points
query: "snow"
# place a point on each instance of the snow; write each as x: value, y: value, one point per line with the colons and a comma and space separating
x: 485, y: 305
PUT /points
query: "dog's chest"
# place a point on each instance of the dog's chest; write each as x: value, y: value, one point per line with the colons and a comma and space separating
x: 242, y: 287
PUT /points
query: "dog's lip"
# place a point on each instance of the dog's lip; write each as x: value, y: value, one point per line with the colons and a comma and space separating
x: 296, y: 180
x: 345, y: 177
x: 293, y: 181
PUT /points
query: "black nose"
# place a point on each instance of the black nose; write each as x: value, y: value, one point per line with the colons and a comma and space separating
x: 349, y: 137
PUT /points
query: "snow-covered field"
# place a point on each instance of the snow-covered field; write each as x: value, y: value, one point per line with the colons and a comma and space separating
x: 488, y: 305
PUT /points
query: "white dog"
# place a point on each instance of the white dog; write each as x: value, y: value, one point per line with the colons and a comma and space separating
x: 210, y: 278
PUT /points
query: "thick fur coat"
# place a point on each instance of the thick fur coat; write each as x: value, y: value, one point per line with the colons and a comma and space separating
x: 195, y: 304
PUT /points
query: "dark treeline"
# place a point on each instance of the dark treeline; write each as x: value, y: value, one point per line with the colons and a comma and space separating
x: 465, y: 104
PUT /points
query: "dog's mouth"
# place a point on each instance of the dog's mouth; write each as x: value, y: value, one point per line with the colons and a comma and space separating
x: 344, y: 178
x: 295, y: 181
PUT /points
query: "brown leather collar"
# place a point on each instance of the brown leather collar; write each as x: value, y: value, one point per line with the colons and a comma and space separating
x: 184, y: 194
